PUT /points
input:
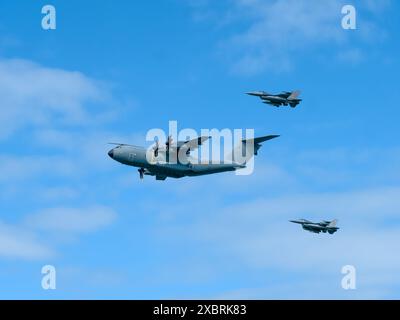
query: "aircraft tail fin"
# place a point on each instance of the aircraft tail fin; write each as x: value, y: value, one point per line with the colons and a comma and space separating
x: 243, y: 152
x: 332, y: 224
x: 294, y: 95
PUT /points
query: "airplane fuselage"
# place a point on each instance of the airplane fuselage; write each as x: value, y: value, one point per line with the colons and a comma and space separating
x: 324, y: 226
x: 136, y: 156
x: 174, y: 160
x: 282, y: 99
x: 275, y: 99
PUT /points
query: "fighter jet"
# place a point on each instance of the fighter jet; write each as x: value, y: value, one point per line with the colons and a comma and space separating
x: 284, y: 98
x: 324, y: 226
x: 166, y: 160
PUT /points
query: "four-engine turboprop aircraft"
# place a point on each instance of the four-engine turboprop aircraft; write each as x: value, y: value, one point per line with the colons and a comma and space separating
x: 174, y: 160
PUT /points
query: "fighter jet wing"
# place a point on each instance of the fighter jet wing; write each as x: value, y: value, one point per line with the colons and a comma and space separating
x: 312, y: 228
x: 285, y: 94
x: 271, y: 103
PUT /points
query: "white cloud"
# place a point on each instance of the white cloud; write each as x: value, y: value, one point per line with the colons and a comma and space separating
x: 34, y: 95
x: 35, y: 100
x: 70, y: 155
x: 72, y: 220
x: 17, y: 242
x: 19, y: 168
x: 28, y: 241
x: 271, y: 34
x: 91, y: 146
x: 54, y: 193
x: 279, y: 29
x: 257, y: 235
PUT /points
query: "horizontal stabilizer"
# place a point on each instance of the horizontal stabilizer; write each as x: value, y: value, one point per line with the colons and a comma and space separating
x: 294, y: 95
x: 263, y: 139
x: 248, y: 148
x: 332, y: 224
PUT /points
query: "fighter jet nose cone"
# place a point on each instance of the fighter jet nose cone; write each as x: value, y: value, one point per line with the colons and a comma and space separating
x: 255, y: 93
x: 111, y: 154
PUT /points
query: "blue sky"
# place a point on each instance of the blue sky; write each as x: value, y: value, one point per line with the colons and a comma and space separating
x: 112, y: 70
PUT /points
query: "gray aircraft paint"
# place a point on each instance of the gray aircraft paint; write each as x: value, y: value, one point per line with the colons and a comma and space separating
x: 137, y: 156
x: 286, y: 98
x: 317, y: 227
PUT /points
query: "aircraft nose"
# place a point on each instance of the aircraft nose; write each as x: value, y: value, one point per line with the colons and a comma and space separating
x: 254, y: 93
x: 111, y: 153
x: 251, y: 93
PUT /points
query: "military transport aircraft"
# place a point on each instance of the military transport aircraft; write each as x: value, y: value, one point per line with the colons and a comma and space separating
x: 166, y: 160
x: 284, y: 98
x: 324, y: 226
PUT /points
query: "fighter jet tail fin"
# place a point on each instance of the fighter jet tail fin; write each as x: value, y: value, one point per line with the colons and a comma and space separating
x: 332, y: 224
x: 294, y: 95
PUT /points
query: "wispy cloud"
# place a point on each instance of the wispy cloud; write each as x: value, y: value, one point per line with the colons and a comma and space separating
x: 256, y: 235
x: 55, y: 111
x: 72, y: 220
x: 34, y: 237
x: 249, y: 225
x: 19, y: 168
x: 268, y: 34
x: 19, y: 243
x: 34, y: 95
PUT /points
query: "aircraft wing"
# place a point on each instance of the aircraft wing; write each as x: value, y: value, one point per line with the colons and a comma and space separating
x: 285, y: 94
x: 272, y: 103
x: 313, y: 228
x: 193, y: 144
x: 294, y: 104
x: 257, y: 142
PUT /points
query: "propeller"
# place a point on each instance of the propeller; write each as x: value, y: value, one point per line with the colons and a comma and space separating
x: 169, y: 142
x: 141, y: 173
x: 156, y: 147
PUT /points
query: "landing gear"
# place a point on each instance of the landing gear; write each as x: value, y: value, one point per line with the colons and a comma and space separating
x: 141, y: 173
